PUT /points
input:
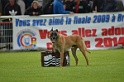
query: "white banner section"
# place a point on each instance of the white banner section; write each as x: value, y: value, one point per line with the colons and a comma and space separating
x: 99, y: 30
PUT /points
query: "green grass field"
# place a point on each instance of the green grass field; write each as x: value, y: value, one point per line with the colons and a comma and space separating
x: 105, y: 66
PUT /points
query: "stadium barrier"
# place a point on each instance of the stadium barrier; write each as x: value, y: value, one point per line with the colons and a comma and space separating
x: 6, y: 34
x: 99, y: 30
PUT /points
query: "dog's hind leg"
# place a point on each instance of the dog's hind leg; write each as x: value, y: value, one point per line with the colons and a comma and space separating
x: 73, y: 49
x: 83, y: 50
x: 84, y: 53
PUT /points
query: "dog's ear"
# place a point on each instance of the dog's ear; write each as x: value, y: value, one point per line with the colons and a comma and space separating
x: 51, y: 29
x: 56, y: 30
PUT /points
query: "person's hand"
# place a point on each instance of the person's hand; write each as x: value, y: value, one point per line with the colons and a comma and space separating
x: 71, y: 12
x: 33, y: 13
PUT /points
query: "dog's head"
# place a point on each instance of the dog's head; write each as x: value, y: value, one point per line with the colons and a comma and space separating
x: 53, y: 35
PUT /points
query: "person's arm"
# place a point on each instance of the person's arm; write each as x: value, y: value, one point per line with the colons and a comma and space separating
x: 61, y: 9
x: 22, y: 6
x: 28, y: 11
x: 94, y: 5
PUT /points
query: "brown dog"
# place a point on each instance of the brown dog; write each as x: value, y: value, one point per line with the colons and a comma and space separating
x: 62, y: 43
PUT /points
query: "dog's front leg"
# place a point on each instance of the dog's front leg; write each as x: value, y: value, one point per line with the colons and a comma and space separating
x: 54, y: 48
x: 61, y: 57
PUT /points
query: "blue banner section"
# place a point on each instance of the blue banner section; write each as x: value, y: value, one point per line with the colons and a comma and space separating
x: 68, y: 20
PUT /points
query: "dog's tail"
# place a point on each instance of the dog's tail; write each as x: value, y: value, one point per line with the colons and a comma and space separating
x: 87, y: 50
x: 86, y: 47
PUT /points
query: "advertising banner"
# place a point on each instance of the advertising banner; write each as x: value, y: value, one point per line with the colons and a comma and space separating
x: 99, y: 30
